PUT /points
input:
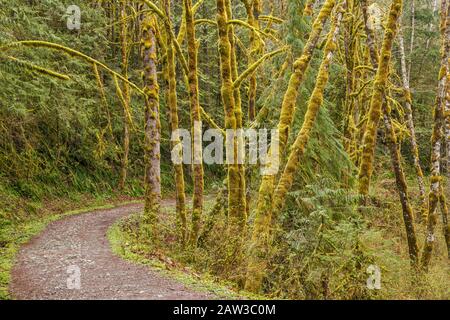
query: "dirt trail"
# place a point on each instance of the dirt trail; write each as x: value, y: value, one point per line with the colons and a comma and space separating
x: 44, y: 265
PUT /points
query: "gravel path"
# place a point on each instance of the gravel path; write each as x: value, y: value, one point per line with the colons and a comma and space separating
x: 79, y: 243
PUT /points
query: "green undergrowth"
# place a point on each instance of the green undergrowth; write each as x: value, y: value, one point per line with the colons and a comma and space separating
x: 126, y: 243
x: 324, y: 250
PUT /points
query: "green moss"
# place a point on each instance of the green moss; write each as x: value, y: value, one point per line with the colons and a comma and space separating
x: 256, y: 264
x: 195, y: 113
x: 314, y: 104
x: 369, y: 139
x: 308, y: 11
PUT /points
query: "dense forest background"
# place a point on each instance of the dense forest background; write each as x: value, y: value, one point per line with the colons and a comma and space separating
x: 64, y: 126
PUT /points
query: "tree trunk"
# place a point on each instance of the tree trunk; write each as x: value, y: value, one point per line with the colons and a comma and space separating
x: 408, y: 217
x: 126, y: 95
x: 197, y: 201
x: 253, y: 9
x: 375, y: 110
x: 402, y: 188
x: 436, y: 194
x: 260, y: 235
x: 229, y: 101
x: 413, y: 35
x: 411, y: 128
x: 237, y: 199
x: 314, y: 104
x: 152, y: 126
x: 173, y: 118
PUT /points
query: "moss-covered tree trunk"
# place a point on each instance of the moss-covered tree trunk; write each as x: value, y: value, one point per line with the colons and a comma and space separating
x: 350, y: 47
x: 444, y: 209
x: 436, y: 195
x: 126, y: 94
x: 173, y: 118
x: 375, y: 110
x: 260, y: 234
x: 197, y: 201
x: 229, y: 104
x: 400, y: 178
x: 447, y: 126
x: 253, y: 9
x: 411, y: 127
x: 314, y: 104
x: 152, y: 124
x: 408, y: 216
x: 373, y: 52
x: 238, y: 201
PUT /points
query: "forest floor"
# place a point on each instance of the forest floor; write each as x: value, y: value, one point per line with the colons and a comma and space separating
x: 46, y: 265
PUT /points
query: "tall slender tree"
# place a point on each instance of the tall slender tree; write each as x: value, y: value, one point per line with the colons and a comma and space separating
x: 436, y: 190
x: 173, y: 115
x: 402, y: 187
x: 126, y: 92
x: 152, y: 124
x: 197, y: 202
x: 376, y: 102
x: 237, y: 199
x: 411, y: 127
x: 312, y: 110
x: 229, y: 104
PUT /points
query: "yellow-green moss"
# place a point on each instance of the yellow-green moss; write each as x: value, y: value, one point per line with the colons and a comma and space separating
x: 126, y: 94
x: 369, y: 140
x: 436, y: 193
x: 261, y: 229
x: 152, y: 126
x: 197, y: 208
x: 312, y: 110
x: 170, y: 75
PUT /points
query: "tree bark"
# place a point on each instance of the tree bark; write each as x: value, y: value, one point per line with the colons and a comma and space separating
x: 408, y: 217
x: 237, y: 202
x: 402, y: 188
x: 197, y: 202
x: 436, y: 194
x: 173, y: 118
x: 152, y: 125
x: 375, y: 110
x: 126, y: 95
x: 411, y: 128
x: 314, y: 104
